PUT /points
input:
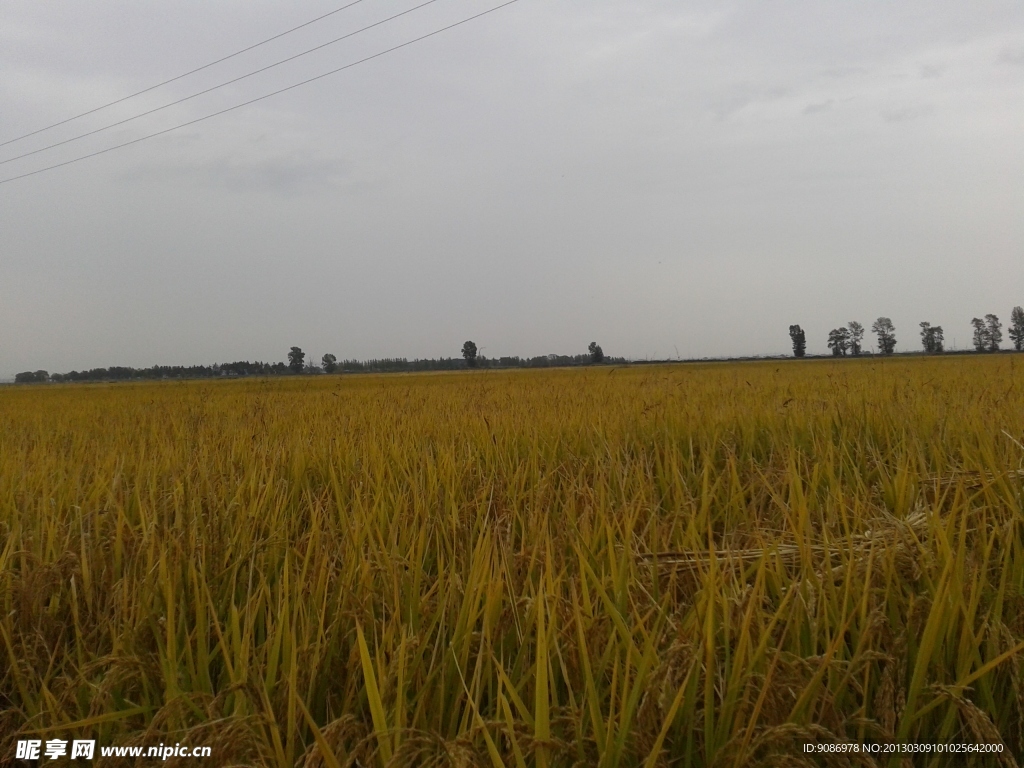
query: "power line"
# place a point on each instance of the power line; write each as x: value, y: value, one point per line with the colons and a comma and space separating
x: 179, y: 77
x: 215, y: 87
x: 265, y: 96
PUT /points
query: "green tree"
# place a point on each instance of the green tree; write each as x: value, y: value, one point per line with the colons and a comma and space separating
x: 993, y: 332
x: 980, y: 336
x: 1017, y: 328
x: 886, y: 333
x: 596, y: 353
x: 856, y: 337
x: 295, y: 359
x: 931, y: 338
x: 329, y: 363
x: 799, y: 339
x: 469, y: 352
x: 839, y: 341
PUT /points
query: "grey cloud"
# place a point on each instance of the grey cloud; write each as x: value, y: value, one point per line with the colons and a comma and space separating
x: 686, y: 167
x: 736, y: 98
x: 289, y: 175
x: 906, y: 112
x: 1012, y: 56
x: 821, y: 106
x: 840, y: 73
x: 283, y: 176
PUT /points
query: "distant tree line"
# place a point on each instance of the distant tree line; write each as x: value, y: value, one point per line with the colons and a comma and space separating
x: 329, y: 364
x: 988, y: 335
x: 398, y: 364
x: 842, y: 341
x: 123, y: 373
x: 32, y: 377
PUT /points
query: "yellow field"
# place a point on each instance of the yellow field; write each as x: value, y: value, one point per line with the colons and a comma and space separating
x: 676, y: 565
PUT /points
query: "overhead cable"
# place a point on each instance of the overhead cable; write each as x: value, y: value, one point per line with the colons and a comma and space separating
x: 179, y: 77
x: 265, y: 96
x: 215, y: 87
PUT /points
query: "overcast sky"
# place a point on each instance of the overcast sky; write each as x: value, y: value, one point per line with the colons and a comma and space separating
x: 665, y: 178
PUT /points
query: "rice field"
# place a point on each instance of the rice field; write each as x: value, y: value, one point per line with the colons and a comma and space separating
x: 688, y: 565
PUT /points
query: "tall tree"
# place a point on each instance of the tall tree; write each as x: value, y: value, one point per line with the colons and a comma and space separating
x: 295, y: 358
x: 839, y: 341
x: 886, y: 333
x: 980, y: 336
x: 931, y: 338
x: 329, y: 363
x: 596, y: 353
x: 1017, y: 328
x: 799, y: 339
x: 856, y: 336
x: 994, y: 332
x: 469, y: 352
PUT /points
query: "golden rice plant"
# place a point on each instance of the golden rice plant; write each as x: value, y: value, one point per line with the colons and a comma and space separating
x: 689, y: 565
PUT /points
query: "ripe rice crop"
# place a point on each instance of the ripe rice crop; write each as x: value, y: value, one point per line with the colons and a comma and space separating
x: 685, y: 565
